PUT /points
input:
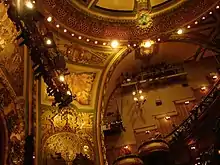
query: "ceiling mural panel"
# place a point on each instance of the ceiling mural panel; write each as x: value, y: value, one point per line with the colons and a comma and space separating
x: 81, y: 84
x: 119, y: 5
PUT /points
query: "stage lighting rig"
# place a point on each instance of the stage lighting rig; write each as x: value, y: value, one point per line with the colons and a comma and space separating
x: 48, y: 62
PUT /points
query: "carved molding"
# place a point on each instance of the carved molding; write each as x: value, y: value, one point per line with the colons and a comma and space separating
x: 72, y: 18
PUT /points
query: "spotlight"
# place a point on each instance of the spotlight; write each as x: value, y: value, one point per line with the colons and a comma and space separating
x: 48, y: 42
x: 61, y: 78
x: 180, y: 31
x: 49, y: 19
x: 193, y: 148
x: 68, y: 92
x: 114, y: 44
x: 29, y: 5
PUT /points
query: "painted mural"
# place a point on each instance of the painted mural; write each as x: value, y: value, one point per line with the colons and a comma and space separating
x: 81, y: 84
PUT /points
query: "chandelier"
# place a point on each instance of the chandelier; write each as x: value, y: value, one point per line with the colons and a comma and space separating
x: 139, y: 97
x: 48, y: 62
x: 144, y: 19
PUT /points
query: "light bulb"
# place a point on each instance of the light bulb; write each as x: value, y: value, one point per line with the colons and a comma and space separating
x: 147, y: 44
x: 48, y: 42
x: 114, y: 44
x: 49, y: 19
x: 133, y: 93
x: 62, y: 78
x: 180, y: 31
x: 142, y: 97
x: 68, y: 92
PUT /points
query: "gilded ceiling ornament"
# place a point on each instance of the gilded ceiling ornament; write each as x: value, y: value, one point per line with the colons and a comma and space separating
x: 67, y: 131
x: 79, y: 54
x: 144, y: 19
x: 68, y: 145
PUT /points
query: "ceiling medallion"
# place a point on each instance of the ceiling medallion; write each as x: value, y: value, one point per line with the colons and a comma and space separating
x: 144, y: 19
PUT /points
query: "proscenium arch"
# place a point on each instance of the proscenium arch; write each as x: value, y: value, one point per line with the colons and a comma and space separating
x: 107, y: 76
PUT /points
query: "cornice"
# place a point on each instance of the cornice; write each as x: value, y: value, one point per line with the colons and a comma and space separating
x: 100, y: 28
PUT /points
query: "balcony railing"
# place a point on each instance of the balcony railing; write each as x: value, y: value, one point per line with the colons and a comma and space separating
x: 185, y: 129
x: 176, y: 70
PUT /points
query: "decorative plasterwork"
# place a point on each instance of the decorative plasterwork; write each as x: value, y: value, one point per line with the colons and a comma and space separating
x: 77, y: 54
x: 83, y: 82
x: 76, y: 21
x: 12, y: 112
x: 11, y: 57
x: 67, y: 132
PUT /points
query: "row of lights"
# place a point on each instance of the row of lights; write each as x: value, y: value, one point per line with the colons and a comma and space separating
x: 115, y: 43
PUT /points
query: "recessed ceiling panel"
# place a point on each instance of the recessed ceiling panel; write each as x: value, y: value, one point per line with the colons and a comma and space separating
x: 119, y: 5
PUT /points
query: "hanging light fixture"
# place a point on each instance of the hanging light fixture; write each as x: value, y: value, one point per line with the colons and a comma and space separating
x: 144, y: 19
x: 138, y: 97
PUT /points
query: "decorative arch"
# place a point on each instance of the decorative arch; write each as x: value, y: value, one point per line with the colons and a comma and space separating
x: 205, y: 33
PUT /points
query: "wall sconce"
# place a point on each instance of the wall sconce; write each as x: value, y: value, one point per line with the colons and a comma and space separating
x: 167, y: 117
x: 186, y: 102
x: 147, y: 132
x: 203, y: 88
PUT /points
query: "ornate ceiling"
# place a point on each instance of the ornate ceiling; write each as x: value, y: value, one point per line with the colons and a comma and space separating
x: 78, y: 19
x: 122, y: 6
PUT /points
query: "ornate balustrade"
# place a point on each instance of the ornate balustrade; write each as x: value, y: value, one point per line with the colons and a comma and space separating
x: 151, y: 76
x: 185, y: 129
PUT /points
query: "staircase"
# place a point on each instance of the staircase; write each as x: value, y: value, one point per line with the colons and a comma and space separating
x: 198, y: 112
